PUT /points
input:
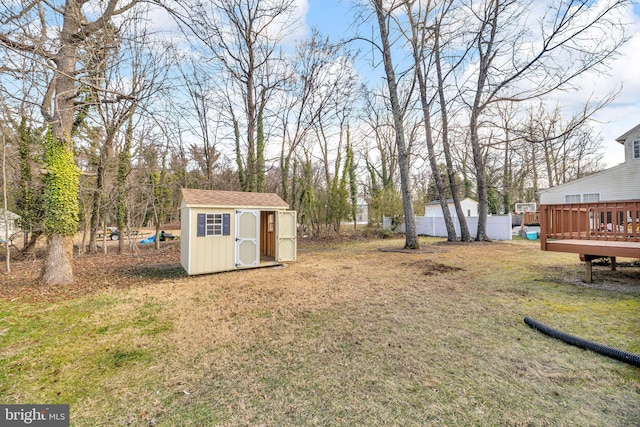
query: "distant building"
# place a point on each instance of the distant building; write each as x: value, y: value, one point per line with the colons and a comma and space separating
x: 12, y: 219
x: 469, y: 207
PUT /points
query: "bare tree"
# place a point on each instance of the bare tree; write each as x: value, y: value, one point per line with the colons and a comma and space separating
x: 243, y: 36
x: 27, y: 29
x: 439, y: 43
x: 322, y: 79
x: 381, y: 159
x: 566, y: 142
x: 201, y: 91
x: 417, y: 18
x: 513, y: 66
x: 383, y: 15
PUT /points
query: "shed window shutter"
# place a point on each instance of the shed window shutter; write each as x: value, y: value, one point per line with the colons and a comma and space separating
x: 202, y: 220
x: 226, y: 224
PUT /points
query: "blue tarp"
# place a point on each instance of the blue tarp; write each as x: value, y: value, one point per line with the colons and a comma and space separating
x: 149, y: 239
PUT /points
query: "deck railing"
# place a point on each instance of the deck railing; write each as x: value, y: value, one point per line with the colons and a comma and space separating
x: 617, y: 221
x: 531, y: 218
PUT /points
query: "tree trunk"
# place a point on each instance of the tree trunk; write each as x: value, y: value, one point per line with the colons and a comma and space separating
x: 411, y: 235
x: 251, y: 175
x: 465, y: 235
x: 4, y: 198
x: 95, y: 208
x: 57, y: 268
x: 157, y: 242
x: 426, y: 113
x: 124, y: 166
x: 61, y: 182
x: 481, y: 182
x: 260, y: 171
x: 242, y: 174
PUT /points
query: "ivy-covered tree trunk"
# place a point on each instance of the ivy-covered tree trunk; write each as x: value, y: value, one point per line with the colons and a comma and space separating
x: 294, y: 187
x: 353, y: 184
x: 260, y: 171
x: 96, y: 204
x: 61, y: 181
x: 239, y: 163
x: 285, y: 165
x: 308, y: 198
x: 61, y: 210
x: 29, y: 203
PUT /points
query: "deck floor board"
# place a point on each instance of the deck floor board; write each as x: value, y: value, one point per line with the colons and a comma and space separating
x: 607, y: 248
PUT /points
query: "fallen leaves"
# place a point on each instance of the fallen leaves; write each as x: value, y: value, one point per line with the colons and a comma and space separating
x: 92, y: 273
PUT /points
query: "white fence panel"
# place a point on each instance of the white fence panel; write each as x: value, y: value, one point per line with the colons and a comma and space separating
x: 498, y: 226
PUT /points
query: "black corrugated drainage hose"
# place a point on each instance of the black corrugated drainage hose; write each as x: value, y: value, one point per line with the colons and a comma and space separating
x: 623, y: 356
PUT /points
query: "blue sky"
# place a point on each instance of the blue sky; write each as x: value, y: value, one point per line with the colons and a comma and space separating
x: 335, y: 17
x: 332, y: 16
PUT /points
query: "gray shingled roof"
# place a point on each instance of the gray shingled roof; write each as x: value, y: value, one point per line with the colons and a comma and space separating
x: 231, y: 199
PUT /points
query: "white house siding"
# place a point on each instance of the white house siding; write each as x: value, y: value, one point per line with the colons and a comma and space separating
x: 208, y: 254
x: 621, y: 182
x: 469, y: 207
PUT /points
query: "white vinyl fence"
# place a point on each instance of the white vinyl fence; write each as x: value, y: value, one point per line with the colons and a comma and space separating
x: 498, y: 226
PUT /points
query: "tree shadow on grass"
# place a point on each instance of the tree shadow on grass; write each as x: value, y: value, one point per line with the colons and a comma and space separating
x: 158, y: 271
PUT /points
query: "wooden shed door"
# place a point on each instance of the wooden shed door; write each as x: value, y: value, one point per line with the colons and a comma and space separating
x: 247, y: 228
x: 287, y: 226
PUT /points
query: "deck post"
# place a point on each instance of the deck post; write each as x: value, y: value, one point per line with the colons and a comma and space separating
x: 588, y: 276
x: 543, y: 227
x: 613, y: 263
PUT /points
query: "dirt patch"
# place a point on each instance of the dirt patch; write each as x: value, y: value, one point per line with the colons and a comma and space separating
x: 626, y: 278
x: 431, y: 268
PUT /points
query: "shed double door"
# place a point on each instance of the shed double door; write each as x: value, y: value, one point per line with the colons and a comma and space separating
x: 247, y: 245
x: 247, y: 232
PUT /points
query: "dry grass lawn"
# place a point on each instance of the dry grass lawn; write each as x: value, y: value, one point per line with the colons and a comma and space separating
x: 349, y: 335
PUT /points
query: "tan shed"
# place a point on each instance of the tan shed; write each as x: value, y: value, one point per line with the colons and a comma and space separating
x: 229, y: 230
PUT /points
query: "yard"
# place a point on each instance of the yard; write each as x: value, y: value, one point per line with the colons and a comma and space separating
x: 356, y: 332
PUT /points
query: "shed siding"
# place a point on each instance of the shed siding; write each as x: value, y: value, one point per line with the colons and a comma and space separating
x: 185, y: 224
x: 618, y: 183
x: 210, y: 253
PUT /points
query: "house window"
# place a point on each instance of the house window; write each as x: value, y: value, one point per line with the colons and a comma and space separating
x: 591, y: 197
x: 572, y: 198
x: 468, y: 212
x: 214, y: 225
x: 636, y: 149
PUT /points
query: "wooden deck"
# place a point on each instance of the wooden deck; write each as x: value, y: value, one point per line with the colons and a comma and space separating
x: 592, y: 230
x: 603, y: 248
